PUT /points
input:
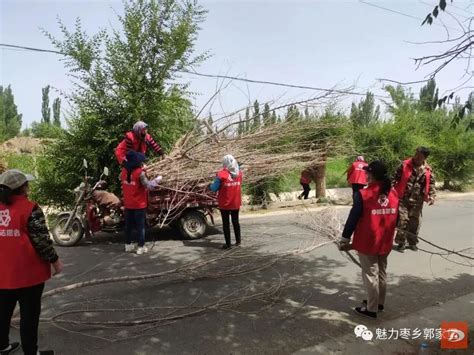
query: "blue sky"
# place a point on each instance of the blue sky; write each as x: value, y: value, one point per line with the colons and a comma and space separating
x: 311, y: 43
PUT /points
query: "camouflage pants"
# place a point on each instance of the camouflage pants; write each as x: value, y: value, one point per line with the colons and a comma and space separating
x: 409, y: 221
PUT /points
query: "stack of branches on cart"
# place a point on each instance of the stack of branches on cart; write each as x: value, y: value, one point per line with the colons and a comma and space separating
x: 268, y: 152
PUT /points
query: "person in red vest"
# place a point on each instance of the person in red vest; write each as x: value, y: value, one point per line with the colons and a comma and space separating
x: 305, y: 180
x: 415, y: 184
x: 372, y: 221
x: 228, y: 185
x: 26, y: 258
x: 135, y: 186
x: 356, y: 175
x: 138, y: 140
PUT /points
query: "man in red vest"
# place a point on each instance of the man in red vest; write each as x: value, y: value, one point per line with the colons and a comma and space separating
x: 26, y: 258
x: 228, y: 185
x: 356, y: 175
x: 138, y: 140
x: 372, y: 220
x: 415, y: 184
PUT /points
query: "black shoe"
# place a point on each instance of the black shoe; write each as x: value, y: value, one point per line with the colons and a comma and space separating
x: 381, y: 307
x: 10, y: 349
x: 413, y: 247
x: 362, y: 311
x: 226, y: 246
x: 237, y: 244
x: 46, y: 352
x: 400, y: 248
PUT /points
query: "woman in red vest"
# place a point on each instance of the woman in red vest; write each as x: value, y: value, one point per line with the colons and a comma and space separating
x: 356, y: 176
x: 372, y: 220
x: 228, y: 185
x: 138, y: 140
x: 135, y: 186
x: 305, y: 180
x: 26, y: 257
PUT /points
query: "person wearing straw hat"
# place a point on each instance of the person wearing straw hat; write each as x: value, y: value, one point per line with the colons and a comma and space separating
x: 228, y: 185
x: 372, y: 220
x: 26, y: 258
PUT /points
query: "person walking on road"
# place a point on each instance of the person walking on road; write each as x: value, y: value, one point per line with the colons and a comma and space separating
x: 356, y: 176
x: 228, y: 185
x: 135, y: 186
x: 305, y: 180
x: 138, y: 140
x: 372, y: 221
x: 415, y: 184
x: 26, y: 257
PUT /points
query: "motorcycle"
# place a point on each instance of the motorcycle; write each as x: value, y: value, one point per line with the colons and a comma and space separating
x: 97, y: 210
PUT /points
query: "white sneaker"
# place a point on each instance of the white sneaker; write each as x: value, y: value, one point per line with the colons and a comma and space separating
x: 142, y: 250
x: 130, y: 248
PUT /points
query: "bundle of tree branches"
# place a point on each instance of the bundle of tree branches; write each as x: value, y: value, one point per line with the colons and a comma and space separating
x: 270, y: 151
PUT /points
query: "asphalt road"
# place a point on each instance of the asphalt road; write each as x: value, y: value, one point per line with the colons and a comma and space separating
x: 314, y: 304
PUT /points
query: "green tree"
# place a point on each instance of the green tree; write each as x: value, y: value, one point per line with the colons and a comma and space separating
x: 256, y: 115
x: 267, y: 119
x: 10, y: 119
x: 57, y: 112
x: 274, y: 118
x: 293, y: 113
x: 45, y: 110
x: 428, y: 96
x: 306, y: 113
x: 122, y: 76
x: 365, y: 113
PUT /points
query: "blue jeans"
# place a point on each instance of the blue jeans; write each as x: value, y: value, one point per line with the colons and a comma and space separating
x: 135, y: 219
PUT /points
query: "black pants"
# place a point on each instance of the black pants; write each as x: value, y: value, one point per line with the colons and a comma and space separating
x: 356, y: 188
x: 306, y: 190
x: 30, y: 310
x: 226, y: 224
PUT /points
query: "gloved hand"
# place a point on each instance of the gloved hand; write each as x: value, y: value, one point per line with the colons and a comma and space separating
x: 157, y: 180
x: 344, y: 245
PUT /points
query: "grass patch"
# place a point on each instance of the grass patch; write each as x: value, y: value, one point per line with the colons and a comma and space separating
x: 336, y: 173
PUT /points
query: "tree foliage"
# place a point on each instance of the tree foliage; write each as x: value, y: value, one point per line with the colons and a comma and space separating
x: 121, y: 76
x: 365, y: 112
x: 57, y: 112
x: 10, y: 119
x: 45, y: 110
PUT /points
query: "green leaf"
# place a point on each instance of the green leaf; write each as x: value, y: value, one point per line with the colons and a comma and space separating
x: 435, y: 11
x: 442, y: 4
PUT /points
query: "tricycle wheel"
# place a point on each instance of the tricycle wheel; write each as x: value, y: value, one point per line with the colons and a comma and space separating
x: 72, y: 236
x: 193, y: 225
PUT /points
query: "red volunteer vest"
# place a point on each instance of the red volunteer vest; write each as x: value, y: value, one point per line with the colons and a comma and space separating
x: 407, y: 171
x: 229, y: 196
x: 138, y: 146
x: 135, y: 195
x: 20, y: 264
x: 376, y: 228
x: 357, y: 174
x: 305, y: 178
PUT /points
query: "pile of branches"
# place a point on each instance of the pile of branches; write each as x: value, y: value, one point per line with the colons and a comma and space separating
x: 268, y: 152
x: 105, y: 318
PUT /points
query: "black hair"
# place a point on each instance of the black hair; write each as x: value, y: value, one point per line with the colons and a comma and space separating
x: 386, y: 185
x: 6, y: 193
x: 423, y: 150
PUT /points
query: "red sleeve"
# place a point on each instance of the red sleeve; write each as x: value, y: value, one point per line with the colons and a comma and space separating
x: 155, y: 146
x: 121, y: 151
x: 349, y: 171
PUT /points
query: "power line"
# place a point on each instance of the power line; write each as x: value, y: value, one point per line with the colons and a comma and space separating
x: 29, y: 48
x: 402, y: 13
x: 216, y: 76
